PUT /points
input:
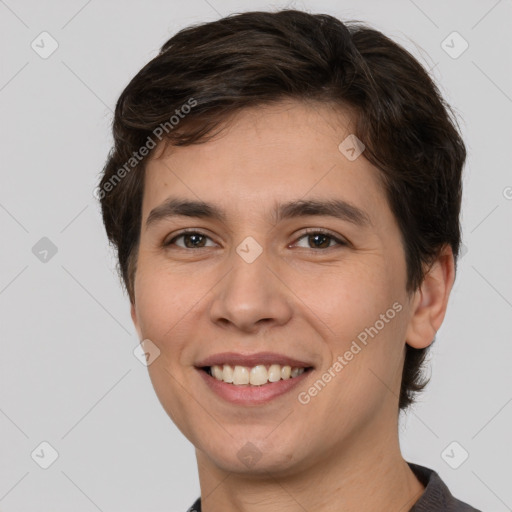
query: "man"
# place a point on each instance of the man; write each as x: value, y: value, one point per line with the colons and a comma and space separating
x: 284, y: 194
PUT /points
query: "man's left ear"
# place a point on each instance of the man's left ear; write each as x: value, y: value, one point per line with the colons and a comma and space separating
x: 431, y: 300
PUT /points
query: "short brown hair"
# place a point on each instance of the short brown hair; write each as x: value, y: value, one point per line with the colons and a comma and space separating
x: 258, y: 58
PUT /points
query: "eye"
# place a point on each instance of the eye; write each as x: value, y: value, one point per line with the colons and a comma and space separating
x: 315, y: 238
x: 320, y: 239
x: 191, y: 240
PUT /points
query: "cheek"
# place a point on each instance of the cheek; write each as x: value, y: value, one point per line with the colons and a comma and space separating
x: 167, y: 306
x: 347, y: 298
x: 361, y: 316
x: 166, y: 303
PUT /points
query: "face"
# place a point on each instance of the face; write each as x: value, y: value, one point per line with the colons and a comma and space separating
x: 269, y: 270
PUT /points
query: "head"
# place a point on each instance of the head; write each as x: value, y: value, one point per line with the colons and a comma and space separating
x: 247, y: 113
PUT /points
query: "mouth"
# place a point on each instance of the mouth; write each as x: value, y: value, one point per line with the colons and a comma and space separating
x: 252, y: 379
x: 259, y: 375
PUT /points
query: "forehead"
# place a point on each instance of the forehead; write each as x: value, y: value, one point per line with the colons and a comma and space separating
x: 266, y: 154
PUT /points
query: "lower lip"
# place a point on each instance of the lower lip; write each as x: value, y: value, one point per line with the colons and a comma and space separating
x: 252, y: 395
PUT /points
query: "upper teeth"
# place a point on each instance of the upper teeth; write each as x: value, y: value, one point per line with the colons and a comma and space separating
x: 257, y: 375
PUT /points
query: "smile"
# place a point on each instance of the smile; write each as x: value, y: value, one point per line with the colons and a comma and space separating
x: 252, y: 379
x: 258, y: 375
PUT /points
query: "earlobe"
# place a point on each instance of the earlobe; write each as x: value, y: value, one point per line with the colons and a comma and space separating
x: 431, y: 300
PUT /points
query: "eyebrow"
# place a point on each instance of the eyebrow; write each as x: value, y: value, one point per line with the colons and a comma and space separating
x: 337, y: 208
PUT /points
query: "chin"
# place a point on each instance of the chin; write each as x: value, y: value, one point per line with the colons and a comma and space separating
x: 257, y: 457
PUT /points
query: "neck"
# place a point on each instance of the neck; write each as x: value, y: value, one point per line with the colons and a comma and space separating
x: 367, y: 473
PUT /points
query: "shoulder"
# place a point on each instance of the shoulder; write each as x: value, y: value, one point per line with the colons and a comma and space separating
x: 196, y: 507
x: 436, y: 496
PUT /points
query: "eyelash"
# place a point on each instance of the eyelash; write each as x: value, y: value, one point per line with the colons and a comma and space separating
x: 308, y: 232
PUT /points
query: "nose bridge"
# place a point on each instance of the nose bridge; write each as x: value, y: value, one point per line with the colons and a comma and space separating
x: 250, y: 292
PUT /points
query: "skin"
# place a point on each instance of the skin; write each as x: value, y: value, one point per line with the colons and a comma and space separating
x: 341, y: 450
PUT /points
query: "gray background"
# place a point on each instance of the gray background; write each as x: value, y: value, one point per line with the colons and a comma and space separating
x: 68, y: 375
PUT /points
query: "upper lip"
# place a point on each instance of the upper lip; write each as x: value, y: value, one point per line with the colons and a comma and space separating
x: 251, y: 360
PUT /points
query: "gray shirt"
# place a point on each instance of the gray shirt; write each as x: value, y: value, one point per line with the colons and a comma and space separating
x: 435, y: 498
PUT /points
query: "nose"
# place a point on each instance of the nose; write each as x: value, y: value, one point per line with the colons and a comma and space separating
x: 251, y: 297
